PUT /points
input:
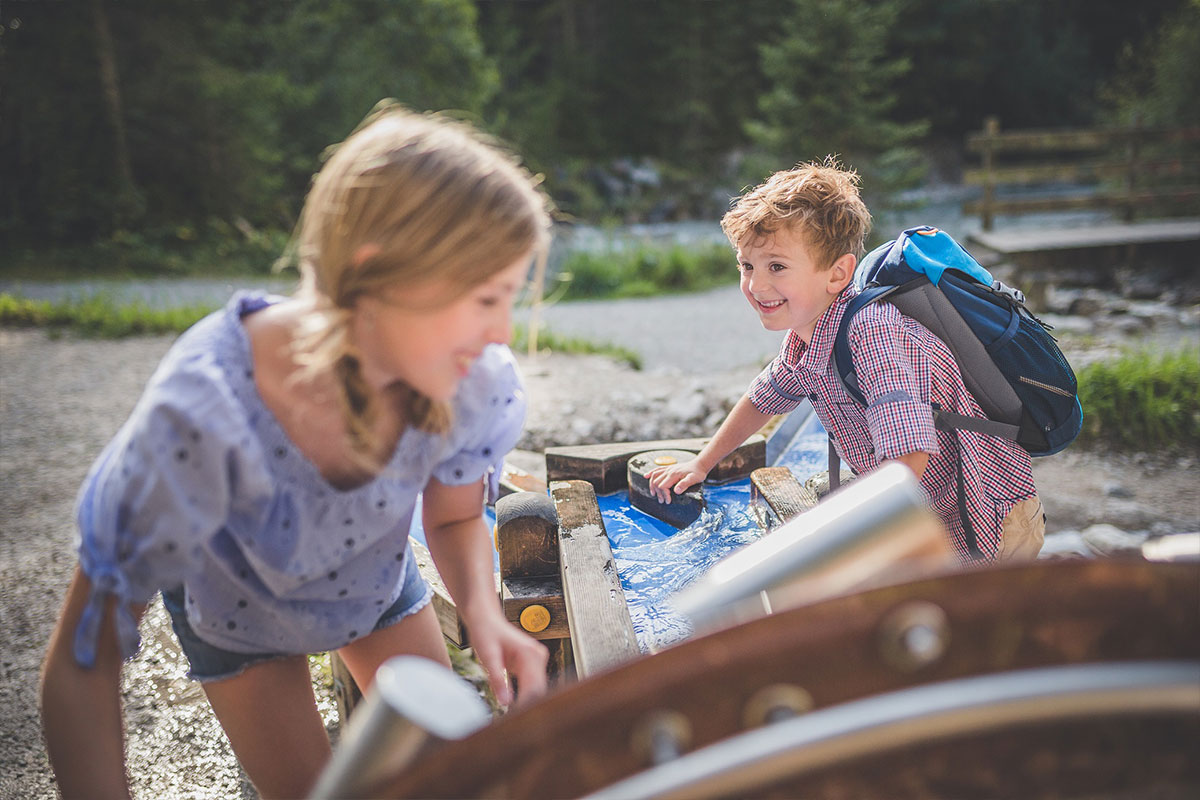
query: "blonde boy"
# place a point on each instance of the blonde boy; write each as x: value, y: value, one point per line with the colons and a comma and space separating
x: 798, y: 237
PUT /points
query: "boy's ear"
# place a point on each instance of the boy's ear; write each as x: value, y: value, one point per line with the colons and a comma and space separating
x: 841, y: 273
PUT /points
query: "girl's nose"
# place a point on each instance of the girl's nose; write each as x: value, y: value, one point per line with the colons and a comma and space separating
x: 500, y: 329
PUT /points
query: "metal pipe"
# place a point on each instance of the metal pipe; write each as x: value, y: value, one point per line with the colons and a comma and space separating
x: 955, y: 709
x: 877, y: 526
x: 414, y: 704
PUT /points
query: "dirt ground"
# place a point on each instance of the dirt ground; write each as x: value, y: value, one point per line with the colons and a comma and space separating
x: 63, y: 398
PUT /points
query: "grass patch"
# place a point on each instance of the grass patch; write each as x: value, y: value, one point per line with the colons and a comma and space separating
x: 548, y: 340
x: 646, y: 271
x: 216, y: 249
x: 1143, y: 401
x: 97, y: 317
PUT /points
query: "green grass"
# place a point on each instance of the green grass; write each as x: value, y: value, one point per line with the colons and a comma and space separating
x: 646, y: 271
x: 1148, y: 402
x: 216, y: 249
x: 99, y: 317
x: 548, y: 340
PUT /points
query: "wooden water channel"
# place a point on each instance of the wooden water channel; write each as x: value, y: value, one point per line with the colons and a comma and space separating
x: 1041, y: 680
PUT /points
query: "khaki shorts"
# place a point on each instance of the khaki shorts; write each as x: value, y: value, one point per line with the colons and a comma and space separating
x: 1023, y: 531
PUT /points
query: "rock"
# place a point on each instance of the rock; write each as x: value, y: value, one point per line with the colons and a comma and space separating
x: 1109, y: 540
x: 687, y: 406
x: 1084, y: 306
x: 582, y: 428
x: 818, y: 484
x: 1114, y: 489
x: 1065, y: 544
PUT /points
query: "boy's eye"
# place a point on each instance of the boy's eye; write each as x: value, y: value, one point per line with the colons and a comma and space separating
x: 745, y: 267
x: 777, y: 267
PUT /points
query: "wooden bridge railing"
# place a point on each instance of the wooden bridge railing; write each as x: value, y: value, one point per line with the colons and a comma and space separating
x: 1126, y: 169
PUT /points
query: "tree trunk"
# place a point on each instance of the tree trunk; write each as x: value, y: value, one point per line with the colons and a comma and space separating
x: 127, y: 205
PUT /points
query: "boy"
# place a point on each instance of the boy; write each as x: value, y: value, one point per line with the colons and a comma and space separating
x: 798, y: 238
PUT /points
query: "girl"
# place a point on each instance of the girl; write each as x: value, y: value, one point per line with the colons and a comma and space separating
x: 267, y: 478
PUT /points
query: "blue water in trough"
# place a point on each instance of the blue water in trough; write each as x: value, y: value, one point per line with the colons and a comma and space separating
x: 655, y: 560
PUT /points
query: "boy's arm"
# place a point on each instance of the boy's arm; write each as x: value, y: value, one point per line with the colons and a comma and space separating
x: 81, y: 708
x: 743, y: 420
x: 916, y: 461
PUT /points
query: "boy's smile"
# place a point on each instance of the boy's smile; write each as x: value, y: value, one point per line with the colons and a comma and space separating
x: 784, y: 283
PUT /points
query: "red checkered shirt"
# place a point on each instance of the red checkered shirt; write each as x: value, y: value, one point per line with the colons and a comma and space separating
x: 901, y: 368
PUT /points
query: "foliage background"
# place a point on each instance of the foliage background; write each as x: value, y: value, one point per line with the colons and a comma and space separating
x: 156, y: 134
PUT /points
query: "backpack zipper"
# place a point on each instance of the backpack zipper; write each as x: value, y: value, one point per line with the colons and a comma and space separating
x: 1045, y: 386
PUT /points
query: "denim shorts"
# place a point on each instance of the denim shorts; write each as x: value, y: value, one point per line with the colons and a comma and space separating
x: 210, y: 663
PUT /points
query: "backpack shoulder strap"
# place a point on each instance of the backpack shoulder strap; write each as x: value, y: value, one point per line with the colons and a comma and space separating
x: 841, y: 357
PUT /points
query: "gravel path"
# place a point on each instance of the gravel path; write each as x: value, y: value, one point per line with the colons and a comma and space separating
x: 62, y: 399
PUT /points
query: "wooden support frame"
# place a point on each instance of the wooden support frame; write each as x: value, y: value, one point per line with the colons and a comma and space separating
x: 602, y: 633
x: 777, y: 496
x: 604, y: 465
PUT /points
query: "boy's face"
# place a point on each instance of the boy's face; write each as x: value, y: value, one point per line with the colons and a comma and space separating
x: 785, y: 284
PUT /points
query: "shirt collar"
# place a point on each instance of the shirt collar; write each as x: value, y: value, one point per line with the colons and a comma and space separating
x: 815, y: 356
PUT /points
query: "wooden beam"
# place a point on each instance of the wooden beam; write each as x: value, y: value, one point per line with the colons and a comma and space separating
x: 777, y: 496
x: 522, y: 598
x: 443, y: 603
x: 601, y: 631
x: 1178, y: 194
x: 604, y: 465
x: 1078, y: 140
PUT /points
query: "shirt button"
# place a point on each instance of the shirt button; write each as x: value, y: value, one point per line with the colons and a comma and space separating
x: 812, y: 396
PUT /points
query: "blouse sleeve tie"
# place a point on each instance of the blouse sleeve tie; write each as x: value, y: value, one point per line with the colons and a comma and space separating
x: 106, y: 580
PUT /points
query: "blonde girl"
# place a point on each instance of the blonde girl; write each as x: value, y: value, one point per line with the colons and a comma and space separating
x: 266, y: 481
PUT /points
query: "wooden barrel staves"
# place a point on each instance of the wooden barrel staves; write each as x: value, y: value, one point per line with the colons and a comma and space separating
x: 1056, y: 678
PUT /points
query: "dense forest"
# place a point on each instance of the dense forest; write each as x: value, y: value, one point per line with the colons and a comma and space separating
x: 164, y: 122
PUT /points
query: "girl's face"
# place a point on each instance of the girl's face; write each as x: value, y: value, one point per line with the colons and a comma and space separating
x: 402, y: 336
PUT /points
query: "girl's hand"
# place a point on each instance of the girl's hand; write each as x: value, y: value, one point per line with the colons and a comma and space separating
x: 503, y: 650
x: 681, y: 477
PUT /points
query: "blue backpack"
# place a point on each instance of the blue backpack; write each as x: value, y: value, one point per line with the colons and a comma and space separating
x: 1009, y: 361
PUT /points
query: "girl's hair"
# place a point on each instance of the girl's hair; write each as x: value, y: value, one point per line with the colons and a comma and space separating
x: 818, y: 200
x: 407, y: 199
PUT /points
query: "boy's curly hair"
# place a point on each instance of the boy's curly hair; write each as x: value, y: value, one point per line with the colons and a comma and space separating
x: 818, y: 199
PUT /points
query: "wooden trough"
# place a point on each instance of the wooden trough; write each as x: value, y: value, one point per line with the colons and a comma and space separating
x: 1058, y: 678
x: 1082, y: 680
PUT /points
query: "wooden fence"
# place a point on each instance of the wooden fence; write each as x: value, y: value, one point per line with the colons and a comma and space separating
x: 1134, y: 171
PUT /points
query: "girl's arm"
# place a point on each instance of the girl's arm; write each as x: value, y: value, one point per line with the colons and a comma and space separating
x: 461, y: 547
x: 81, y: 708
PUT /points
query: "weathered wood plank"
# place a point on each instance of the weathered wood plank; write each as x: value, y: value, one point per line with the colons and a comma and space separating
x: 527, y: 536
x: 1035, y: 240
x: 518, y: 595
x: 601, y: 631
x: 443, y: 603
x: 1176, y: 194
x: 1080, y: 172
x: 1080, y: 140
x: 604, y: 465
x: 514, y: 479
x: 777, y: 496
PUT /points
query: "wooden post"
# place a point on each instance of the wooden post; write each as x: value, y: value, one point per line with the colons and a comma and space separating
x: 776, y: 496
x: 991, y: 129
x: 1132, y: 152
x: 601, y: 630
x: 531, y: 591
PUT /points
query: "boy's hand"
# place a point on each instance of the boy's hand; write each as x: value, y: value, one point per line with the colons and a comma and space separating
x: 681, y: 477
